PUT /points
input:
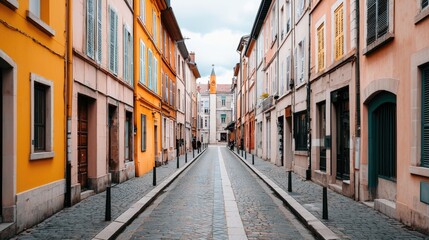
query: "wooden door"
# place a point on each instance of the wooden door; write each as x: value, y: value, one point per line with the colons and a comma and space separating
x: 82, y: 145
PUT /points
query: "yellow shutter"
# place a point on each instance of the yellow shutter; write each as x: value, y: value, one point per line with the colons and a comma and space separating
x: 320, y: 47
x: 339, y: 32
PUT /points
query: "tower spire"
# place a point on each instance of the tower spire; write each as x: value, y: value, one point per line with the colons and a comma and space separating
x: 213, y: 81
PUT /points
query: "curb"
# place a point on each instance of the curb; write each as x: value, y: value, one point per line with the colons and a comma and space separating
x: 120, y: 223
x: 315, y: 225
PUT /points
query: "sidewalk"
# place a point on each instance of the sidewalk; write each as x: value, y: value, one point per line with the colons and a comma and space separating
x: 85, y: 219
x: 347, y: 218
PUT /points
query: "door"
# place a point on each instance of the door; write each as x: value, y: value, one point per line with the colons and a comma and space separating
x: 322, y: 135
x: 156, y: 141
x: 113, y: 150
x: 381, y: 140
x: 1, y: 145
x: 281, y: 140
x: 82, y: 148
x: 343, y: 134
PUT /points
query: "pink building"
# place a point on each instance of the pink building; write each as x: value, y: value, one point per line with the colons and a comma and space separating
x: 102, y: 123
x: 394, y: 57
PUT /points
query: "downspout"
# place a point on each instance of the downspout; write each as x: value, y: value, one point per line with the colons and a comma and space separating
x: 69, y: 92
x: 357, y: 81
x: 308, y: 172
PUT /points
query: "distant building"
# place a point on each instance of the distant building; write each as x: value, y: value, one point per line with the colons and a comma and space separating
x: 215, y: 104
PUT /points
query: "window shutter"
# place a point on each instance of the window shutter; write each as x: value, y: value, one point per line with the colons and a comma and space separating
x: 143, y: 126
x: 149, y: 65
x: 125, y: 60
x: 425, y: 3
x: 116, y: 41
x: 143, y: 10
x: 90, y: 31
x: 382, y: 17
x: 99, y: 31
x: 155, y: 78
x: 371, y: 21
x: 425, y: 117
x: 111, y: 41
x: 302, y: 60
x: 339, y: 32
x: 287, y: 72
x: 131, y: 56
x: 321, y: 47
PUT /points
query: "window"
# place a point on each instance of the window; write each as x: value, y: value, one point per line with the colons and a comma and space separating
x: 171, y: 92
x: 377, y: 19
x: 223, y: 118
x: 142, y: 63
x: 289, y: 14
x: 425, y: 3
x: 179, y: 101
x: 300, y: 8
x: 165, y: 88
x: 155, y: 75
x: 41, y: 118
x: 113, y: 41
x: 300, y: 62
x: 94, y: 29
x: 128, y: 136
x: 300, y: 131
x: 154, y: 33
x: 143, y: 10
x: 288, y: 72
x: 339, y: 32
x: 425, y: 117
x: 205, y: 122
x: 35, y: 7
x: 321, y: 47
x: 223, y: 100
x: 128, y: 55
x: 143, y: 132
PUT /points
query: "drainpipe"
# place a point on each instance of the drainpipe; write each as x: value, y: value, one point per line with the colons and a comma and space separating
x: 308, y: 172
x: 69, y: 92
x: 357, y: 81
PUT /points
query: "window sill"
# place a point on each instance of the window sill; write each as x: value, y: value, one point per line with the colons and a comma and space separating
x: 12, y: 4
x: 386, y: 38
x: 421, y: 16
x: 40, y: 24
x: 301, y: 153
x: 42, y: 155
x: 420, y: 171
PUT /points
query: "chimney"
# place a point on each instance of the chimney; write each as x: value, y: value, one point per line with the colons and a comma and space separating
x: 192, y: 56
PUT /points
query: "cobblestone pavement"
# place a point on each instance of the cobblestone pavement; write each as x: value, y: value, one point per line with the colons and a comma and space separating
x: 85, y: 219
x: 193, y: 206
x: 262, y: 213
x: 347, y: 218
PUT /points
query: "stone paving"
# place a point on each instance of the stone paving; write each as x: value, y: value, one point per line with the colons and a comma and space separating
x: 347, y: 218
x: 262, y: 217
x: 188, y: 210
x: 86, y: 219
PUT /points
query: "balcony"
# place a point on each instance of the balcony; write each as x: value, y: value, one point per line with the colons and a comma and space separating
x: 267, y: 103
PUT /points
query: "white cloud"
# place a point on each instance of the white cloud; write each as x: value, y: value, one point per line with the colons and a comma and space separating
x: 214, y: 29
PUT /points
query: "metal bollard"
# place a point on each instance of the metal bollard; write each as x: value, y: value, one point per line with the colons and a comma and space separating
x: 193, y: 153
x: 253, y: 159
x: 108, y: 215
x: 325, y: 203
x: 178, y: 160
x: 154, y: 176
x: 289, y: 183
x: 186, y: 156
x: 245, y: 155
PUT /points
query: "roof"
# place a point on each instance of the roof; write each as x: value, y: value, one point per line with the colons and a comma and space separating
x: 259, y: 20
x: 170, y: 23
x: 220, y: 88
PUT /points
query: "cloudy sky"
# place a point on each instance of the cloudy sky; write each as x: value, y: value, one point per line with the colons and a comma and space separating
x: 214, y: 29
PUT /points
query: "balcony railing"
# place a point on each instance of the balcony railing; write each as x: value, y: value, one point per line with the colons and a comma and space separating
x: 267, y: 103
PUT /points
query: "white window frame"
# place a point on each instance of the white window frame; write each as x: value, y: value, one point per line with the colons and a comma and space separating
x: 143, y: 11
x: 35, y: 9
x: 49, y: 153
x: 142, y: 79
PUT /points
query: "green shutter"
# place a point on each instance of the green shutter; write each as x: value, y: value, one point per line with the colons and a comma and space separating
x: 143, y: 132
x: 126, y: 73
x: 425, y: 117
x: 111, y: 41
x: 371, y: 21
x: 149, y: 65
x: 90, y: 31
x: 382, y: 17
x: 425, y: 3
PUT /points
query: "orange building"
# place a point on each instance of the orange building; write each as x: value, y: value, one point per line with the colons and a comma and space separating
x: 32, y: 112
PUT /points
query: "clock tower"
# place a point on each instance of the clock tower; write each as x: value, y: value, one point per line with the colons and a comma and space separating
x: 212, y: 84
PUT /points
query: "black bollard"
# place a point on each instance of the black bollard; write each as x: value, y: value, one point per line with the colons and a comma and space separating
x: 289, y: 183
x: 325, y: 203
x: 108, y: 215
x: 245, y: 155
x: 186, y: 157
x: 178, y: 160
x: 154, y: 176
x: 253, y: 159
x: 193, y: 153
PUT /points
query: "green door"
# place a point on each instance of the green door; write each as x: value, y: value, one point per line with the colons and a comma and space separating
x: 381, y: 139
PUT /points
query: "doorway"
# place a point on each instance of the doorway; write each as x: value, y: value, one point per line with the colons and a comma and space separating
x: 82, y: 148
x: 322, y: 135
x: 280, y: 127
x: 155, y: 134
x: 1, y: 145
x: 381, y: 140
x: 340, y: 100
x: 223, y: 137
x: 113, y: 143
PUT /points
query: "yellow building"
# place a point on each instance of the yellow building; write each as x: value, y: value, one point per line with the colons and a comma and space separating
x: 32, y: 111
x: 147, y: 106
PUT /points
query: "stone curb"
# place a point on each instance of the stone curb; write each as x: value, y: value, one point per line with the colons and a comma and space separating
x: 314, y: 224
x: 119, y: 224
